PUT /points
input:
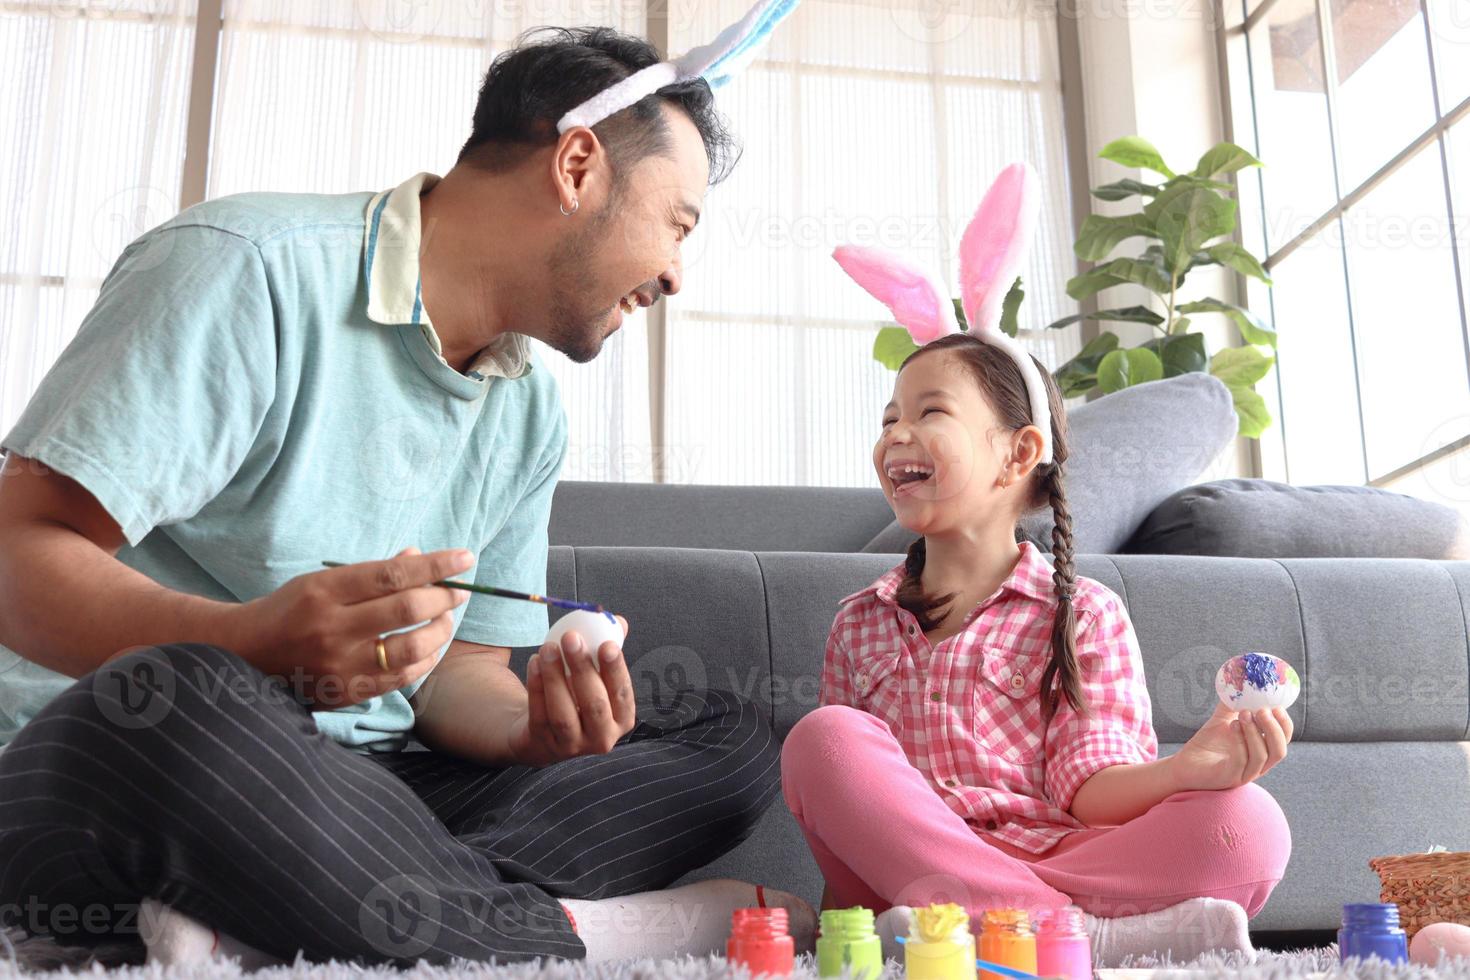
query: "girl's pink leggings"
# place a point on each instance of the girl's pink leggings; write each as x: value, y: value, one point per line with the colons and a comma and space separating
x: 882, y: 837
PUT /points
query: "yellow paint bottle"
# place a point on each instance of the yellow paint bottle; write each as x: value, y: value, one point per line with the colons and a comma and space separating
x: 939, y: 945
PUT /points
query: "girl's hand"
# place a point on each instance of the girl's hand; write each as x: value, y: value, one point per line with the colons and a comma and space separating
x: 1233, y: 748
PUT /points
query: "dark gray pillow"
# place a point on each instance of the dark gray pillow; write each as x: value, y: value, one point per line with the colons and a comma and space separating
x: 1129, y: 451
x: 1263, y: 519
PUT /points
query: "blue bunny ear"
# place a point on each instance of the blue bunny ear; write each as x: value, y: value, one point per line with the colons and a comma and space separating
x: 737, y: 45
x: 716, y: 62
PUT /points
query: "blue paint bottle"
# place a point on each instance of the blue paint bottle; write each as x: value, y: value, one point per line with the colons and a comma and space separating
x: 1372, y: 929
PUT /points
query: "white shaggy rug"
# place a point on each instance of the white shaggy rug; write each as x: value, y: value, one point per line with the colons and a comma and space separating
x: 31, y: 959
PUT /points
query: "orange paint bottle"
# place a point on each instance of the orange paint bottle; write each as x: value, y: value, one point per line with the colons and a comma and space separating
x: 1006, y: 939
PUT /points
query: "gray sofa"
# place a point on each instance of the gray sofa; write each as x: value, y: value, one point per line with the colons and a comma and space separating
x: 736, y: 587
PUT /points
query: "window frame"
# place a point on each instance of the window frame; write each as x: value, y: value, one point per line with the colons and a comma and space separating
x: 1236, y: 20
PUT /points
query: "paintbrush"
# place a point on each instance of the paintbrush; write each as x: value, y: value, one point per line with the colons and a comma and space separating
x: 989, y: 967
x: 545, y: 600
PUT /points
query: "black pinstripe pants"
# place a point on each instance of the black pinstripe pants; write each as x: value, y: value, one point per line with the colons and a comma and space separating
x: 182, y: 773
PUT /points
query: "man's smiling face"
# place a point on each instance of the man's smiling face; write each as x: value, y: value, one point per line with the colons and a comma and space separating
x: 626, y: 254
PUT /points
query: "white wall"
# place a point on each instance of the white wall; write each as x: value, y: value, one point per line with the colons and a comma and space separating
x: 1149, y: 68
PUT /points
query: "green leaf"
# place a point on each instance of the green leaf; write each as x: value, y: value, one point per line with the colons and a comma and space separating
x: 959, y: 314
x: 1126, y: 314
x: 1250, y: 408
x: 1252, y: 330
x: 1010, y: 306
x: 1198, y: 259
x: 1237, y: 258
x: 1135, y: 151
x: 1224, y: 158
x: 1240, y: 366
x: 1190, y: 180
x: 1180, y: 355
x: 1079, y: 375
x: 1100, y: 234
x: 1185, y: 217
x: 1120, y: 189
x: 1155, y: 254
x: 1148, y: 274
x: 892, y: 346
x: 1180, y: 324
x: 1121, y: 369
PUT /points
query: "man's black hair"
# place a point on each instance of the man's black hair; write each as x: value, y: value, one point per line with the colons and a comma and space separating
x: 553, y: 70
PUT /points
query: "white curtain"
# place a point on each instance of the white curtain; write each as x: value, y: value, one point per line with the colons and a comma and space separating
x: 340, y: 96
x: 331, y: 96
x: 92, y: 110
x: 877, y: 122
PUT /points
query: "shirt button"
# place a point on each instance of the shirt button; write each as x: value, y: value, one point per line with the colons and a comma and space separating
x: 935, y: 696
x: 990, y: 825
x: 1017, y: 681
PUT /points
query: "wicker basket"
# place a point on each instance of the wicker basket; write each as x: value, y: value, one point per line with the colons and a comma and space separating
x: 1427, y: 888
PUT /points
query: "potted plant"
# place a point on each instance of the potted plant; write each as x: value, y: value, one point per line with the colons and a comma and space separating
x: 1183, y: 220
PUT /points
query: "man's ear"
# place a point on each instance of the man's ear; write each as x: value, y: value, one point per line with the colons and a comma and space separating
x: 579, y: 167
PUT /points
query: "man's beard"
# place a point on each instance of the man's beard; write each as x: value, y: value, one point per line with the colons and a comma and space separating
x: 576, y: 332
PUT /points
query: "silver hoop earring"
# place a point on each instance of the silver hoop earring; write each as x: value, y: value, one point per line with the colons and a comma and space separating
x: 575, y: 205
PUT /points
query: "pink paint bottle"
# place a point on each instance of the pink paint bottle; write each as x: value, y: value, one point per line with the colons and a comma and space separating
x: 1063, y: 948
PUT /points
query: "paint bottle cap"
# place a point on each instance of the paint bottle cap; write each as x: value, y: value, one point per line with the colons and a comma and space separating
x: 847, y: 924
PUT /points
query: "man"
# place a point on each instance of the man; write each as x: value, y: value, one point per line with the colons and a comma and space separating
x: 269, y: 381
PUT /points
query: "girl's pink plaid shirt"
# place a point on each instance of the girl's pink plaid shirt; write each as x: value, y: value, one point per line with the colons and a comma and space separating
x: 968, y: 710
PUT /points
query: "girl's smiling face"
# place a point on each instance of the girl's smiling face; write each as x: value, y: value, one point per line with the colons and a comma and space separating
x: 937, y: 460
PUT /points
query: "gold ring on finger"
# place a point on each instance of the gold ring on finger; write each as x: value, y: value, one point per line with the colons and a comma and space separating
x: 382, y: 656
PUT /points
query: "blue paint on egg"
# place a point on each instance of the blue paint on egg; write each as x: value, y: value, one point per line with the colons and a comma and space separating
x: 1260, y: 670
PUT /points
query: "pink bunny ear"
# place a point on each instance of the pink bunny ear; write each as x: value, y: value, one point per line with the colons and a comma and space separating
x: 995, y: 244
x: 916, y: 299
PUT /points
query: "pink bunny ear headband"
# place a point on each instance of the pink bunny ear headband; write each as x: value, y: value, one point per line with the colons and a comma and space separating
x: 991, y: 252
x: 716, y: 62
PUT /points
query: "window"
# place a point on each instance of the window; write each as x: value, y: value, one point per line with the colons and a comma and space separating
x: 92, y: 155
x: 1358, y: 108
x: 877, y: 122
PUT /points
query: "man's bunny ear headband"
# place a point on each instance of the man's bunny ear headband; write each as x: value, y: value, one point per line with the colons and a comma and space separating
x: 716, y: 62
x: 991, y: 252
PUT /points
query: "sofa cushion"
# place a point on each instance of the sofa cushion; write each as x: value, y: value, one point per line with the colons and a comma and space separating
x: 1128, y: 452
x: 750, y: 518
x: 1264, y: 519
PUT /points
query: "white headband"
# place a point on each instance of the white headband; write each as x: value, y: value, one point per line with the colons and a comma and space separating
x: 716, y: 62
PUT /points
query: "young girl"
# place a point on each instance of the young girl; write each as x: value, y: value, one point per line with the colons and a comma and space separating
x: 985, y: 733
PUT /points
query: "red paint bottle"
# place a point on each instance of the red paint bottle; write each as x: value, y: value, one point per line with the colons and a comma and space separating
x: 760, y: 942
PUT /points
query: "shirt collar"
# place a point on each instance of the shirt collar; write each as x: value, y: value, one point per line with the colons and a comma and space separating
x: 390, y: 256
x: 1031, y: 577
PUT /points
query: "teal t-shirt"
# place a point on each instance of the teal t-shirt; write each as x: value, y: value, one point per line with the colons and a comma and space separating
x: 233, y: 406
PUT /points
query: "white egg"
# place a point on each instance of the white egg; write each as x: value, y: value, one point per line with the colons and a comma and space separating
x: 1257, y: 680
x: 595, y: 629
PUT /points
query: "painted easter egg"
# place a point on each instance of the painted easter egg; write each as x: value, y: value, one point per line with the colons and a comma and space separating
x: 1439, y: 939
x: 1257, y: 680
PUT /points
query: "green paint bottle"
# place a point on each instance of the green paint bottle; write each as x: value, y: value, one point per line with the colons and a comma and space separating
x: 849, y: 942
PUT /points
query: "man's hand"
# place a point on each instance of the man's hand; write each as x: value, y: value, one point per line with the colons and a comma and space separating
x: 320, y: 630
x: 584, y: 714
